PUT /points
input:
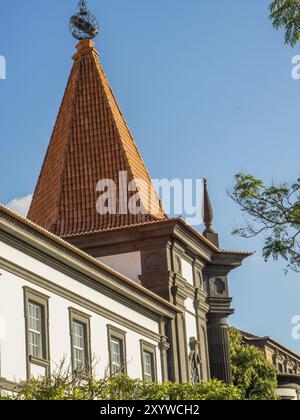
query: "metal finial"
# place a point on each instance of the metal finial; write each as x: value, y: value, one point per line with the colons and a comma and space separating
x: 208, y: 217
x: 84, y: 25
x: 83, y: 6
x: 208, y: 213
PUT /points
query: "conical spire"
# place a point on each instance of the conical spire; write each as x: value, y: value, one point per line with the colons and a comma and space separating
x: 208, y: 217
x: 91, y: 142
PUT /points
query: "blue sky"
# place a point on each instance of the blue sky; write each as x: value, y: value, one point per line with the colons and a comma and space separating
x: 207, y: 91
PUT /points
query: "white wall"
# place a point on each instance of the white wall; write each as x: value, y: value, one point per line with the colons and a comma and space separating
x: 13, y: 350
x: 54, y: 276
x: 128, y: 264
x: 187, y: 271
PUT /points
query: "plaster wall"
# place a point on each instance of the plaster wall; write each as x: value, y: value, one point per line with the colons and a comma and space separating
x: 12, y: 321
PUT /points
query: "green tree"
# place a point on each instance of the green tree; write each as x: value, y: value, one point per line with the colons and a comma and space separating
x: 254, y: 379
x: 253, y: 374
x: 274, y: 212
x: 63, y: 386
x: 124, y: 388
x: 285, y: 14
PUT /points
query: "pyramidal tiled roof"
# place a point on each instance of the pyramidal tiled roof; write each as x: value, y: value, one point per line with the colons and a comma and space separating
x: 91, y: 142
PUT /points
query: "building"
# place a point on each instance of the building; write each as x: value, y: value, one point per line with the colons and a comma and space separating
x: 128, y: 286
x: 286, y: 361
x: 58, y: 303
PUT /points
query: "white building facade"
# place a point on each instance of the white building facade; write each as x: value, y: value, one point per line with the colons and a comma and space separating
x: 58, y: 304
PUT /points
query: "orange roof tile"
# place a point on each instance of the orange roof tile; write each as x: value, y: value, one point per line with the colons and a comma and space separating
x: 91, y: 142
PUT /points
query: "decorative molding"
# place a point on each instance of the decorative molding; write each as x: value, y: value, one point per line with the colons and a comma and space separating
x: 220, y: 286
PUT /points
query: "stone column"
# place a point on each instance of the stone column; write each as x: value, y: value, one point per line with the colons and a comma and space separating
x: 219, y: 354
x: 217, y: 326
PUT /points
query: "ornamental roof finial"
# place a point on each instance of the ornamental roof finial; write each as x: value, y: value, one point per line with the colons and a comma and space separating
x: 84, y: 25
x: 208, y: 217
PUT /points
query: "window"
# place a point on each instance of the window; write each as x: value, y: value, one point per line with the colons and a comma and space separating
x: 37, y: 331
x: 117, y: 350
x: 149, y: 368
x: 116, y: 355
x: 79, y: 345
x: 80, y: 340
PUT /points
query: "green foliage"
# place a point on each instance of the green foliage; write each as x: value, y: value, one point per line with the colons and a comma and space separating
x: 253, y: 374
x: 285, y: 14
x: 62, y: 386
x: 254, y: 379
x: 275, y: 213
x: 124, y: 388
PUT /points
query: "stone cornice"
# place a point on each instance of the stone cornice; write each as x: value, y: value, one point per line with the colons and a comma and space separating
x: 220, y: 306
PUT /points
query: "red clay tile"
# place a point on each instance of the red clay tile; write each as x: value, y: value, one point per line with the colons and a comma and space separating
x: 90, y: 142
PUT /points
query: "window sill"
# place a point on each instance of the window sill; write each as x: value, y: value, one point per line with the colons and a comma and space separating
x: 39, y: 362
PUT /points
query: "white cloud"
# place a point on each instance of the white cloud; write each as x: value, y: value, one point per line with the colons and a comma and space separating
x: 20, y: 205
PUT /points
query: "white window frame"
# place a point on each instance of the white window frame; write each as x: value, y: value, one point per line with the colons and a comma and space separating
x: 42, y: 359
x: 83, y: 320
x: 118, y: 336
x: 151, y: 350
x: 116, y: 366
x: 148, y: 376
x: 35, y: 350
x: 79, y: 363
